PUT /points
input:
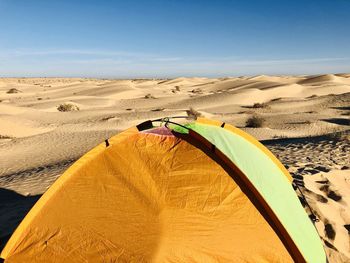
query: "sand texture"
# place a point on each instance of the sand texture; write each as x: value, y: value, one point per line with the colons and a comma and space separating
x: 48, y: 123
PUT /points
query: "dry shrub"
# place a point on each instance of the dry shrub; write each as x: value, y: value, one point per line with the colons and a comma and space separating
x: 67, y: 107
x: 260, y: 106
x: 255, y: 121
x: 11, y: 91
x: 192, y: 113
x: 149, y: 96
x: 197, y: 91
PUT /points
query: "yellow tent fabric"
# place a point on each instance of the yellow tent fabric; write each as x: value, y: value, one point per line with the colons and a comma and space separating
x: 145, y: 198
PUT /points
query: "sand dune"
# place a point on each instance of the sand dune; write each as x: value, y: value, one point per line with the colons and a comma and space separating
x: 303, y: 119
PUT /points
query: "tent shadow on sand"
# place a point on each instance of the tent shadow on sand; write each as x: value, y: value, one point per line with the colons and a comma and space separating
x: 13, y: 208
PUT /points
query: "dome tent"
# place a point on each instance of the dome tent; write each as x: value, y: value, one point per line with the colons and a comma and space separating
x: 203, y: 191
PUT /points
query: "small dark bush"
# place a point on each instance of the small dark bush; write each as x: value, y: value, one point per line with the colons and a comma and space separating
x: 260, y: 105
x: 67, y: 107
x: 192, y: 113
x: 255, y: 122
x: 11, y: 91
x: 197, y: 91
x: 149, y: 96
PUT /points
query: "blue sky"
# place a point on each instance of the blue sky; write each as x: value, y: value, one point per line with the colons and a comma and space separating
x: 170, y: 38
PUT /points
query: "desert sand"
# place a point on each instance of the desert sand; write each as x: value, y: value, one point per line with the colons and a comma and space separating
x: 304, y: 120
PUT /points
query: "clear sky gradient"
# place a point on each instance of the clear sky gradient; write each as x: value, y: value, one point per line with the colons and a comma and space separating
x: 170, y: 38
